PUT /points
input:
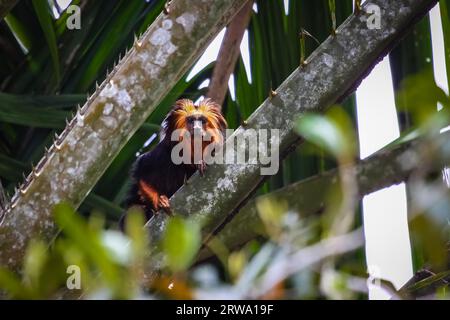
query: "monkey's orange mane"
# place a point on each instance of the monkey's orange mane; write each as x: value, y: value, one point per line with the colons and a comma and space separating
x: 176, y: 119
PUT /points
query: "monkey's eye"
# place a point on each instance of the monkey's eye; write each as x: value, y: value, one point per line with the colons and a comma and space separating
x: 202, y: 119
x: 190, y: 120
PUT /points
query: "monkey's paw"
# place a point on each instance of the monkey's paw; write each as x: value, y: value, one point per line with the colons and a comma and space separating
x: 164, y: 204
x: 201, y: 167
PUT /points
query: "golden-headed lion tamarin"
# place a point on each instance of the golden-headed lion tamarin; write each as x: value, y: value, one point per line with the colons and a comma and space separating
x: 155, y: 176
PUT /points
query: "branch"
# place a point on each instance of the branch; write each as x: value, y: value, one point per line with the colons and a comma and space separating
x: 381, y: 170
x: 81, y: 154
x: 425, y: 285
x: 228, y: 54
x: 333, y: 71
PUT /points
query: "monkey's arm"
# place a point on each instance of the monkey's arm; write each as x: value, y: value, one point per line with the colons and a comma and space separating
x: 152, y: 177
x: 150, y: 193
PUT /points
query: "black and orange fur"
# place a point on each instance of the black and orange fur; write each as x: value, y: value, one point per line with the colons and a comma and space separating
x: 155, y: 178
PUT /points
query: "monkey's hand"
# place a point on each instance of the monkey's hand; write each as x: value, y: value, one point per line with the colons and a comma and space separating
x: 201, y: 167
x: 164, y: 204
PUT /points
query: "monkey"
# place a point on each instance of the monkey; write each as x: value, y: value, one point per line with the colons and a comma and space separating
x: 154, y: 175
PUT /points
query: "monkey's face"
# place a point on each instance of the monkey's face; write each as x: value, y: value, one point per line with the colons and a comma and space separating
x: 196, y: 125
x: 202, y: 120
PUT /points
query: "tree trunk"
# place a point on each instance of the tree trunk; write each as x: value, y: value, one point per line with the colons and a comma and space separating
x: 228, y: 54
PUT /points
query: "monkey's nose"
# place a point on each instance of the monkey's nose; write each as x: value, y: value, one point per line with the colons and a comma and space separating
x: 198, y: 125
x: 198, y: 128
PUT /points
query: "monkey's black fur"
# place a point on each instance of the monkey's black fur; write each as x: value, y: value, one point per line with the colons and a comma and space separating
x: 155, y: 178
x: 156, y: 169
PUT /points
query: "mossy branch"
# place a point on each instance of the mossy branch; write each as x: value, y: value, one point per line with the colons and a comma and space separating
x: 383, y: 169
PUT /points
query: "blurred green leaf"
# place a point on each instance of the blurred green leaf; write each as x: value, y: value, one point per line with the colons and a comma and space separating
x: 88, y: 241
x: 431, y: 239
x: 409, y: 59
x: 137, y: 233
x: 420, y: 95
x: 117, y: 245
x: 332, y: 132
x: 34, y: 263
x: 12, y: 285
x: 181, y: 243
x: 272, y: 213
x: 236, y: 263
